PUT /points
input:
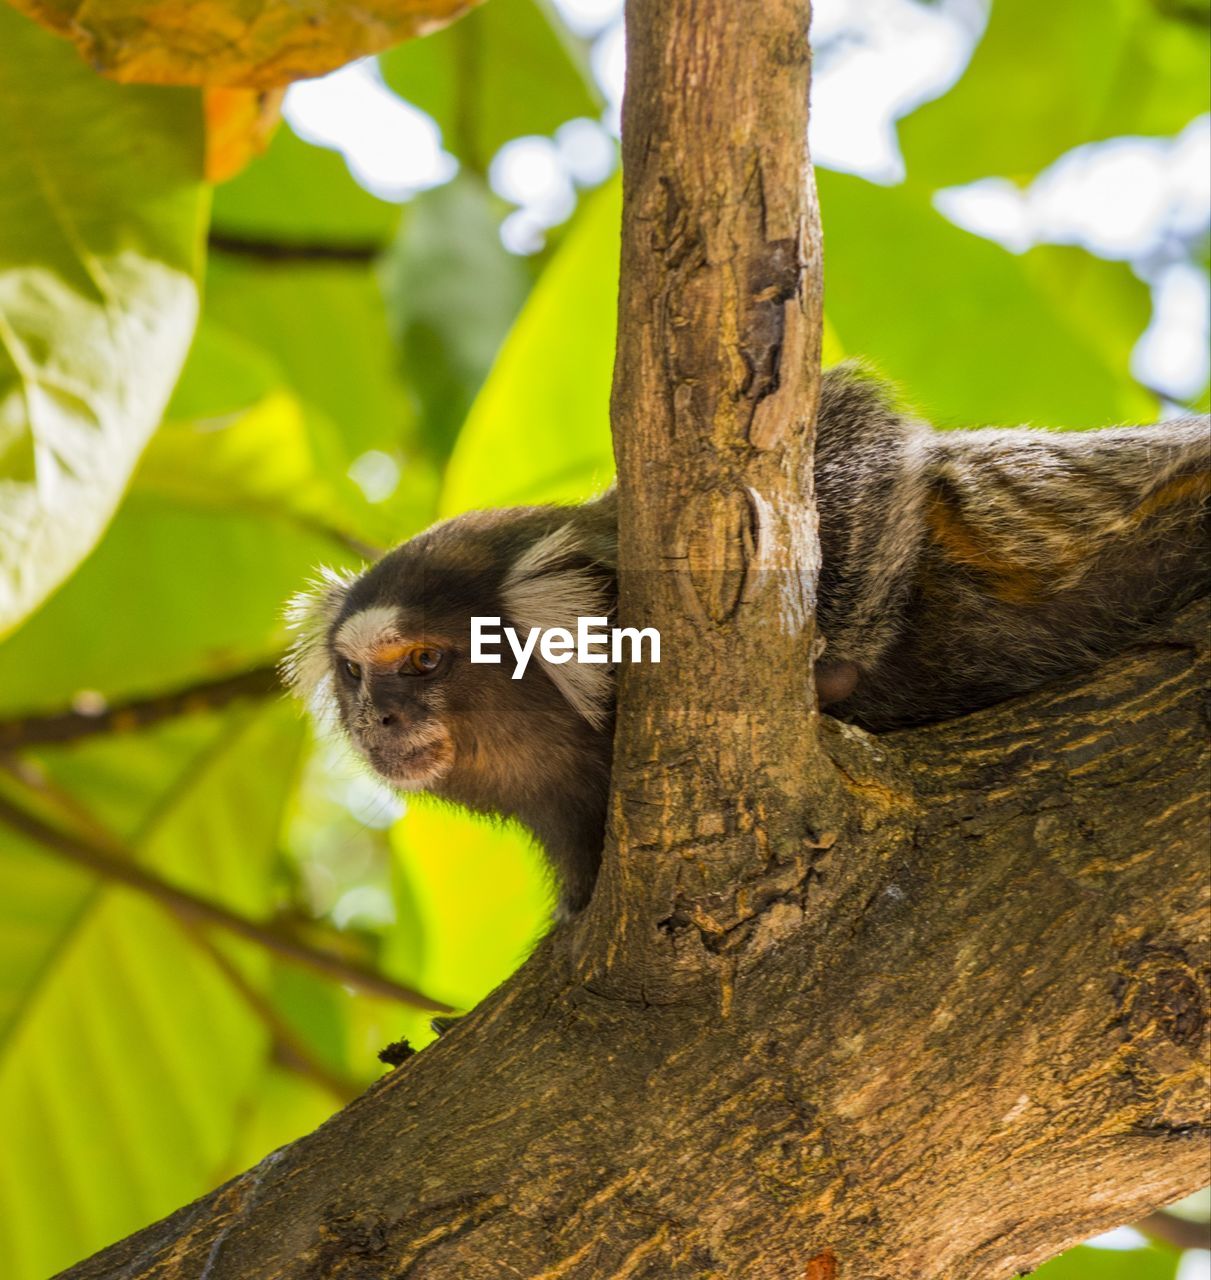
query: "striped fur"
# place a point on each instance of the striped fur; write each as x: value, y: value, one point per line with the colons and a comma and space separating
x: 958, y: 568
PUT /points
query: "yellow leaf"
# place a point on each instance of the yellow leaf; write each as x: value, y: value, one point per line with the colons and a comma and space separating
x: 251, y: 44
x: 239, y: 125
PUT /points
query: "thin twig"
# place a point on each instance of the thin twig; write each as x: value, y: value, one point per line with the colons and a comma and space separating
x: 287, y: 251
x: 122, y: 869
x: 1177, y: 1232
x: 138, y: 713
x: 292, y: 1051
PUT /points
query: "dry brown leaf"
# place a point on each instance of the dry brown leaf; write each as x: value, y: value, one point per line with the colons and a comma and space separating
x: 253, y: 44
x: 239, y: 126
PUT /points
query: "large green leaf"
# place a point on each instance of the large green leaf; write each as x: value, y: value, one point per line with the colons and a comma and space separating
x: 175, y: 1052
x: 325, y: 328
x: 539, y: 430
x: 172, y: 595
x: 120, y: 781
x: 452, y: 292
x: 236, y: 439
x: 100, y: 219
x: 92, y: 1154
x: 299, y: 194
x: 286, y: 1105
x: 508, y: 69
x: 974, y: 333
x: 1047, y: 77
x: 488, y: 887
x: 1112, y: 1264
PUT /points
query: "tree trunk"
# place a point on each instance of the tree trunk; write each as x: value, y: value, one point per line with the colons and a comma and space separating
x: 970, y: 1032
x: 933, y: 1004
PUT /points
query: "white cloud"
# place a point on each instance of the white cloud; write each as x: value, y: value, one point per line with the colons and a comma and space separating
x: 392, y: 148
x: 529, y: 172
x: 1174, y: 352
x: 1195, y: 1265
x: 1120, y: 1238
x: 588, y: 17
x: 875, y: 61
x: 587, y: 151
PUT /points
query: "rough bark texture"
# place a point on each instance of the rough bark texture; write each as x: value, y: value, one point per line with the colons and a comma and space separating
x: 715, y: 388
x: 970, y: 1032
x: 843, y: 1008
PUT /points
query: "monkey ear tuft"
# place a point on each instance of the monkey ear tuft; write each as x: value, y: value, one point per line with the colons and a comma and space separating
x: 307, y: 668
x: 552, y: 584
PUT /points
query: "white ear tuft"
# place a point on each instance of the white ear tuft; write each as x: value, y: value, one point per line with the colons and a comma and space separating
x: 544, y: 590
x: 306, y: 667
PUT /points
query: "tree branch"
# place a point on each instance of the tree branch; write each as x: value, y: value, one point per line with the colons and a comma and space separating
x: 138, y: 713
x: 292, y: 1052
x: 1176, y: 1232
x: 714, y: 401
x: 289, y: 253
x: 121, y: 868
x: 973, y: 1032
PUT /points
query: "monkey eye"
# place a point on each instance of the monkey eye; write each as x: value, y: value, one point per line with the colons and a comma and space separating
x: 423, y: 661
x: 353, y: 670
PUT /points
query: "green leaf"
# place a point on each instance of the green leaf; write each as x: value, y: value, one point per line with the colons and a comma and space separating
x: 508, y: 69
x: 300, y: 194
x: 120, y: 781
x: 173, y: 594
x: 486, y: 889
x: 285, y: 1106
x: 100, y: 219
x: 118, y: 777
x: 539, y: 430
x: 974, y: 333
x: 91, y: 1155
x: 1047, y: 77
x: 324, y: 327
x: 217, y: 831
x: 235, y: 440
x: 174, y: 1052
x: 1105, y: 303
x: 1195, y: 12
x: 452, y: 293
x: 324, y: 330
x: 1083, y: 1263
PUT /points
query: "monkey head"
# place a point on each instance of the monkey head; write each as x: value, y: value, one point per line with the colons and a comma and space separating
x: 385, y: 657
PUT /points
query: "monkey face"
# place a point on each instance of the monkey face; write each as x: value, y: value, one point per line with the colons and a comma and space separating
x: 385, y: 655
x: 388, y: 677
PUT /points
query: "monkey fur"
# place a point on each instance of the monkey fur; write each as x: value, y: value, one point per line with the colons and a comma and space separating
x: 959, y: 568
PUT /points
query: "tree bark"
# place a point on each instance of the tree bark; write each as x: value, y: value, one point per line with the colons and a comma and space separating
x: 932, y: 1004
x: 971, y: 1031
x: 715, y: 390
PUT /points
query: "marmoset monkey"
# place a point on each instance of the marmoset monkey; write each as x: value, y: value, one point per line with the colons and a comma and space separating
x: 958, y: 568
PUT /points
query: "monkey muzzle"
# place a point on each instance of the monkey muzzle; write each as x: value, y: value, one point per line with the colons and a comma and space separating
x: 407, y: 753
x: 409, y: 762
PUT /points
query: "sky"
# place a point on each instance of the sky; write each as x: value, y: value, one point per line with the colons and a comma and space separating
x: 1137, y: 200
